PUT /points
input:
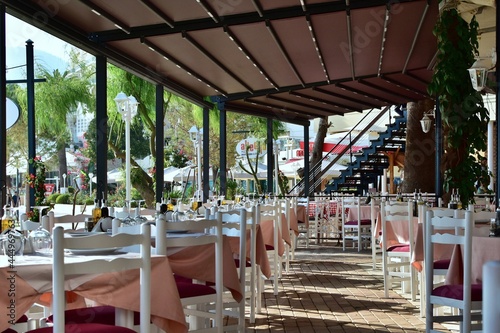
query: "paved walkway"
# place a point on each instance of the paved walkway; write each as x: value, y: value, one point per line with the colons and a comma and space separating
x: 328, y: 290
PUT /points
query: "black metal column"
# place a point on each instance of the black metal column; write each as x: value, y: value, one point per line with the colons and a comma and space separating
x: 306, y: 160
x: 438, y: 185
x: 497, y: 108
x: 3, y: 113
x: 223, y: 149
x: 30, y: 88
x: 160, y: 142
x: 101, y: 121
x: 270, y: 156
x: 206, y: 154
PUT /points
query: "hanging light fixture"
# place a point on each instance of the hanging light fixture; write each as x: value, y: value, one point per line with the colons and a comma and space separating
x: 479, y: 71
x: 426, y: 121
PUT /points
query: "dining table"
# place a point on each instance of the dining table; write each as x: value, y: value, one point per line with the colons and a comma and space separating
x: 30, y: 279
x: 261, y: 257
x: 484, y: 249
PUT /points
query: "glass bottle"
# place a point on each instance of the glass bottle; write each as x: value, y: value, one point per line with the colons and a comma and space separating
x: 453, y: 201
x: 497, y: 223
x: 104, y: 209
x: 96, y: 215
x: 8, y: 221
x: 163, y: 206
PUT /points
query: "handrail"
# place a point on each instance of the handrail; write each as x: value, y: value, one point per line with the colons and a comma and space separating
x: 315, y: 172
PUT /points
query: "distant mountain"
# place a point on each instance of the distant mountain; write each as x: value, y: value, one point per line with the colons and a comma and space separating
x: 17, y: 57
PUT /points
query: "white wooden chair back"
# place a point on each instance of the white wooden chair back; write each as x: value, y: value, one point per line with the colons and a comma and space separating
x: 442, y: 230
x: 60, y: 268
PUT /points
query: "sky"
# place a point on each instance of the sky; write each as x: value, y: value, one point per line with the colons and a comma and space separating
x: 48, y: 50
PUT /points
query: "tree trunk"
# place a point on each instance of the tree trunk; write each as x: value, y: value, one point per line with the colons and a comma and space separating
x: 317, y: 153
x: 63, y: 165
x: 419, y: 164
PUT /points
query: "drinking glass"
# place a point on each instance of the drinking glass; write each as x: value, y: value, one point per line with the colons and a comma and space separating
x: 138, y: 217
x: 128, y: 220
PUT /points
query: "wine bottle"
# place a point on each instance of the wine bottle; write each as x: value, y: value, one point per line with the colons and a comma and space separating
x: 7, y: 220
x: 96, y: 215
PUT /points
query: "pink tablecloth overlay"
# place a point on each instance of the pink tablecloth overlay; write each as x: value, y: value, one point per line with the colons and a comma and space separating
x: 332, y: 205
x: 397, y: 233
x: 366, y: 211
x: 483, y: 249
x: 441, y: 251
x: 116, y: 289
x: 197, y: 262
x: 261, y: 258
x: 267, y: 227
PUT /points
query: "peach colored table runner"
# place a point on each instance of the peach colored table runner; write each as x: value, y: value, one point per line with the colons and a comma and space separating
x: 260, y: 250
x: 483, y: 249
x: 294, y: 221
x: 397, y: 233
x: 198, y: 262
x: 117, y: 289
x: 441, y: 251
x: 267, y: 227
x: 302, y: 216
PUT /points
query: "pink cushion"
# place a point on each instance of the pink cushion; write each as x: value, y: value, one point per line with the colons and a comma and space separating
x: 87, y: 328
x: 103, y: 314
x: 456, y: 291
x: 193, y: 289
x: 399, y: 248
x: 442, y: 264
x: 23, y: 319
x: 362, y: 222
x: 269, y: 247
x: 9, y: 330
x: 180, y: 278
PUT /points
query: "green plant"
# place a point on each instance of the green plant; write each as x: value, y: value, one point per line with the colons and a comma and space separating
x: 63, y: 198
x: 231, y: 187
x: 71, y: 189
x: 52, y: 198
x: 464, y: 117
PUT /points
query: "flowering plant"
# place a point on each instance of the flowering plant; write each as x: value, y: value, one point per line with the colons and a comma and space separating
x: 36, y: 181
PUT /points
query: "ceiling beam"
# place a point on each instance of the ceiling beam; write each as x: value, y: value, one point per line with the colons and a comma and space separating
x: 316, y: 46
x: 349, y: 38
x: 324, y: 101
x: 333, y: 94
x: 158, y: 12
x: 415, y: 38
x: 284, y: 52
x: 249, y: 56
x: 209, y: 10
x: 287, y: 109
x: 110, y: 17
x: 384, y: 90
x: 412, y: 90
x: 298, y: 119
x: 207, y: 54
x: 365, y: 94
x: 384, y: 37
x: 236, y: 19
x: 304, y: 105
x: 155, y: 48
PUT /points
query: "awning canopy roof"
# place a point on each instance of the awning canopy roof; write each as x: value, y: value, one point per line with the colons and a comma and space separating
x: 292, y: 60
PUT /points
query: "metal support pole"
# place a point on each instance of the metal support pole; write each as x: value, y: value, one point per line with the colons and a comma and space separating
x: 159, y: 141
x: 497, y: 108
x: 223, y: 149
x: 3, y: 113
x: 270, y: 155
x: 101, y: 123
x: 30, y: 88
x: 306, y: 160
x: 439, y: 152
x: 206, y: 155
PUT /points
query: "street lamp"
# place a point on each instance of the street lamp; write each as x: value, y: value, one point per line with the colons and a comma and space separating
x: 91, y: 175
x: 127, y: 107
x: 276, y: 154
x: 196, y: 137
x: 426, y: 121
x: 64, y: 183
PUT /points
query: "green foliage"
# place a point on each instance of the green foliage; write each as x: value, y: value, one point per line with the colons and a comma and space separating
x: 64, y: 198
x: 464, y: 117
x: 175, y: 157
x: 71, y: 189
x: 52, y: 198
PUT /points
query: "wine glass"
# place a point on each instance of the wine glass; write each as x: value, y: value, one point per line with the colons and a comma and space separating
x: 138, y: 217
x: 128, y: 220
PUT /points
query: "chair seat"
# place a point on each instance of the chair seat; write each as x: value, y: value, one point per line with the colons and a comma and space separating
x: 9, y: 330
x: 399, y: 248
x: 187, y: 289
x: 442, y: 264
x: 456, y: 291
x: 237, y: 262
x: 104, y: 314
x: 362, y: 222
x: 86, y: 328
x: 22, y: 319
x: 269, y: 247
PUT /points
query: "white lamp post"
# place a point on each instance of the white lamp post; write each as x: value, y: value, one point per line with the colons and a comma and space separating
x: 276, y: 155
x: 91, y: 175
x: 127, y: 107
x: 195, y: 136
x: 64, y: 183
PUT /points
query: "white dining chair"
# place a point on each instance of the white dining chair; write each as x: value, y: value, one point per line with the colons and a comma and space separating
x: 465, y: 297
x: 304, y: 230
x: 272, y: 213
x: 61, y: 268
x: 234, y: 224
x: 357, y: 229
x: 285, y: 210
x: 202, y: 303
x: 396, y: 258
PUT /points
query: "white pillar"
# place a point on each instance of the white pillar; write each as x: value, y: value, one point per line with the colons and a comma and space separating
x: 383, y: 190
x: 198, y: 157
x: 127, y: 155
x: 491, y: 290
x: 490, y: 149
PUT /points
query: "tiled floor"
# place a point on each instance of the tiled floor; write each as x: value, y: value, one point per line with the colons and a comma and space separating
x: 328, y: 290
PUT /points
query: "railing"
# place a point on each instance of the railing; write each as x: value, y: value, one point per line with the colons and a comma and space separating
x: 316, y: 172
